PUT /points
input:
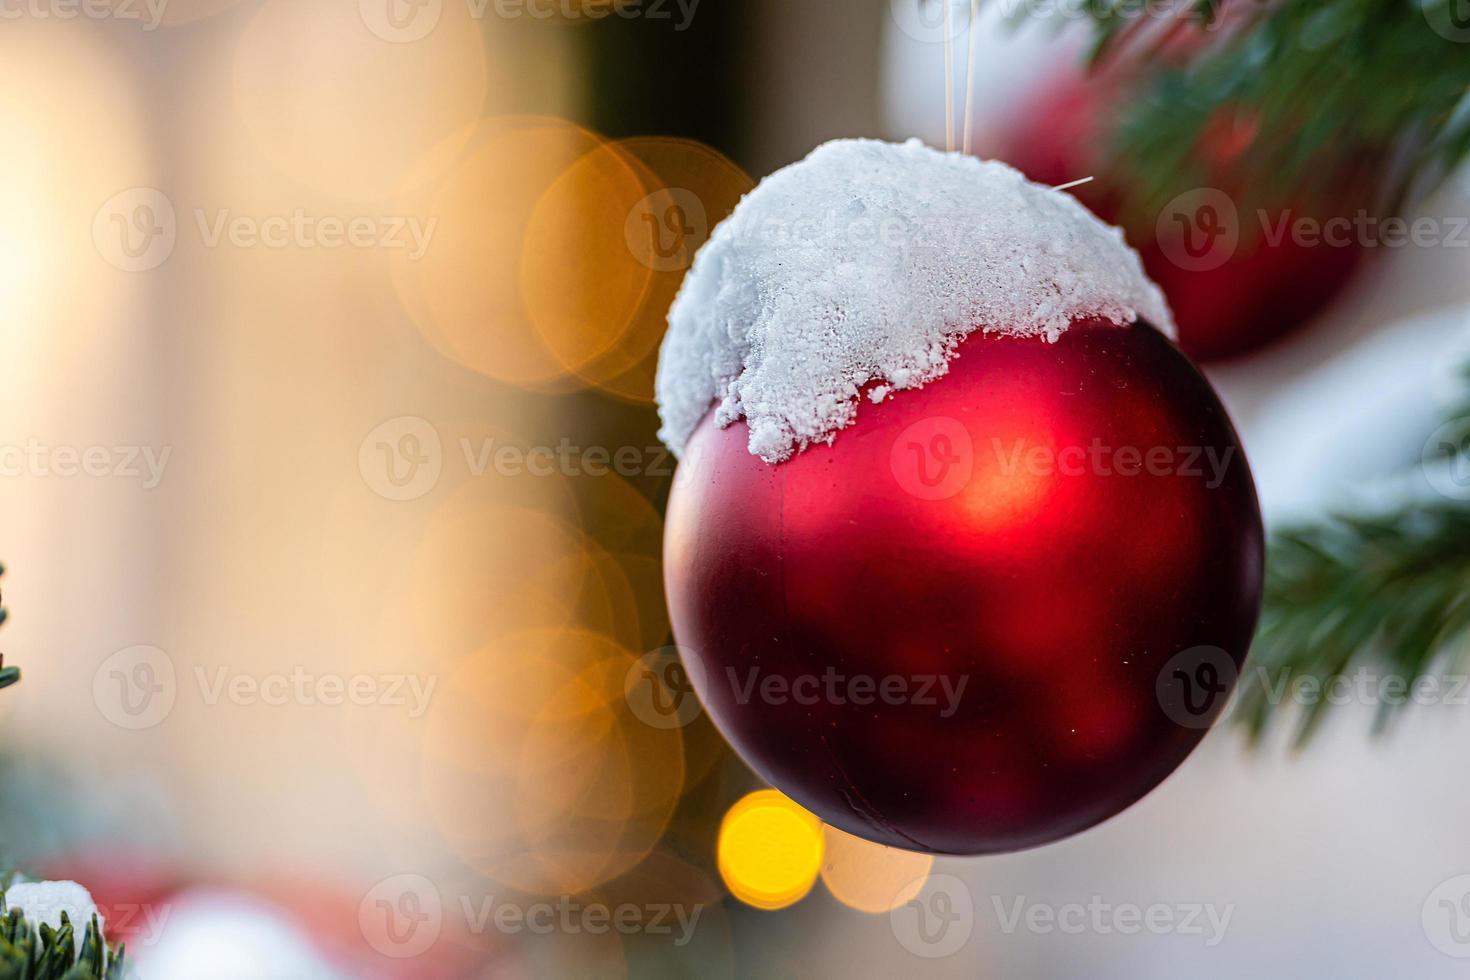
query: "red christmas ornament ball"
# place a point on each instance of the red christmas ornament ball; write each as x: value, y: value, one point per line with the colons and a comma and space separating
x: 995, y: 611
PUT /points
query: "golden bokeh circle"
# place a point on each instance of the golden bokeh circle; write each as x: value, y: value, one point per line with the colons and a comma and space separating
x: 537, y: 773
x: 628, y: 529
x: 527, y: 275
x: 609, y: 604
x: 770, y: 850
x: 623, y: 520
x: 870, y: 877
x: 646, y: 576
x: 693, y: 187
x: 485, y: 568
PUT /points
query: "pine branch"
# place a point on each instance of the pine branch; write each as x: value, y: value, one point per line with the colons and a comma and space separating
x: 1388, y: 595
x: 1326, y: 84
x: 29, y: 952
x: 1353, y: 594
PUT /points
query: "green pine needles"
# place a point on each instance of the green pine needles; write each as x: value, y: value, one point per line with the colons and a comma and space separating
x: 1376, y: 608
x: 30, y: 952
x: 1330, y: 87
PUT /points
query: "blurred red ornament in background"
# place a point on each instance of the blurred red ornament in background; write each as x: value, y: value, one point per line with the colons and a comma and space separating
x: 131, y: 889
x: 1235, y: 276
x: 996, y: 611
x: 168, y: 914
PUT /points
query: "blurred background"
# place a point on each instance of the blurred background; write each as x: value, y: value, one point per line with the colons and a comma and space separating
x: 331, y: 500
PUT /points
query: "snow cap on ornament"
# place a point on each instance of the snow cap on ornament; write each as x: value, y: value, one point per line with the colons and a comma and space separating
x: 868, y: 262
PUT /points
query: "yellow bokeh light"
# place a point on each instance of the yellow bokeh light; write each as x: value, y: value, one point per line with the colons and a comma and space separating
x: 487, y: 569
x: 537, y: 773
x: 528, y: 275
x: 693, y: 189
x: 770, y: 850
x: 871, y: 877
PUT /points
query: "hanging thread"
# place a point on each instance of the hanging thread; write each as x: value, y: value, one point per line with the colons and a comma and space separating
x: 948, y: 74
x: 970, y: 74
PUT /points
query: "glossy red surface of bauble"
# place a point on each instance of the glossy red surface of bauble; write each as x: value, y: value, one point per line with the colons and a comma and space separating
x: 952, y: 540
x: 1270, y: 285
